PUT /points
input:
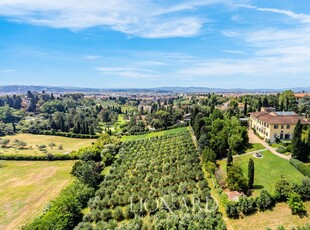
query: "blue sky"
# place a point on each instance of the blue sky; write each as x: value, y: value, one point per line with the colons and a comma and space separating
x: 154, y: 43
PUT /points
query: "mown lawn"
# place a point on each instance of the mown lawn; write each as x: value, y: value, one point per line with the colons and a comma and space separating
x: 155, y: 134
x: 268, y: 170
x: 68, y: 144
x: 279, y: 215
x: 114, y: 127
x: 254, y: 147
x: 27, y: 187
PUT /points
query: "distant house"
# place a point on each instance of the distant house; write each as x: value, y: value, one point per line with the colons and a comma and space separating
x: 300, y: 96
x: 187, y: 117
x: 268, y: 109
x: 273, y: 125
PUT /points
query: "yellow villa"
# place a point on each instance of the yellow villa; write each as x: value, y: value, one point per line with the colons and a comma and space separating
x: 272, y: 125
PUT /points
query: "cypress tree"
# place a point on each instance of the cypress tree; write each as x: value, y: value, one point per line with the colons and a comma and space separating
x: 259, y: 106
x: 251, y: 173
x: 297, y: 144
x: 230, y: 159
x: 307, y: 145
x: 265, y: 102
x: 245, y: 111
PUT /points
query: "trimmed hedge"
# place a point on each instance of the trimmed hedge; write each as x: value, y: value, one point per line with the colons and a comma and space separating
x: 157, y: 130
x: 47, y: 157
x: 71, y: 135
x: 304, y: 169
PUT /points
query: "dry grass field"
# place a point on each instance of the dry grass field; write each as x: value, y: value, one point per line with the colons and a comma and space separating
x: 280, y: 215
x: 68, y: 144
x: 27, y: 187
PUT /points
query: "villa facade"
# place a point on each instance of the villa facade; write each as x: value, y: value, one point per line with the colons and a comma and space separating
x: 272, y: 125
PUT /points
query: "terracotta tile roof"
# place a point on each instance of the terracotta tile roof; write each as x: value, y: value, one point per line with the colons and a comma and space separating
x: 301, y: 95
x: 279, y: 118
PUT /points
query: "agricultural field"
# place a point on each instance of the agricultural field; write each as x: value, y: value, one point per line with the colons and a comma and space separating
x: 27, y: 187
x: 268, y: 170
x: 155, y: 134
x: 164, y: 174
x: 280, y: 215
x: 34, y: 141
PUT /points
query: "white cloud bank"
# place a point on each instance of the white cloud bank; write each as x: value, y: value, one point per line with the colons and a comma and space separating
x: 143, y: 18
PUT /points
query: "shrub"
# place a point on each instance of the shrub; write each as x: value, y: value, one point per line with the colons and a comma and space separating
x: 232, y: 210
x: 283, y: 189
x: 236, y: 180
x: 246, y: 205
x: 4, y: 143
x: 41, y: 147
x: 295, y: 203
x: 128, y: 214
x: 264, y: 201
x: 304, y: 189
x: 304, y: 169
x: 281, y: 149
x: 118, y: 214
x: 106, y: 214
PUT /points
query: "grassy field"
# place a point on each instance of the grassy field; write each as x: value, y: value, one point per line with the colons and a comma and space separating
x: 114, y: 127
x: 154, y: 134
x: 68, y: 144
x: 254, y: 147
x: 268, y: 170
x: 279, y: 215
x: 27, y: 187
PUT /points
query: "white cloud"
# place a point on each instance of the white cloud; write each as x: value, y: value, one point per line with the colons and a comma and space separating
x: 7, y: 70
x: 144, y: 18
x: 234, y: 51
x: 115, y: 69
x: 304, y: 18
x: 92, y: 57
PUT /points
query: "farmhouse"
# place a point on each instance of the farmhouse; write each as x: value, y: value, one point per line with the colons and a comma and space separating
x: 272, y: 125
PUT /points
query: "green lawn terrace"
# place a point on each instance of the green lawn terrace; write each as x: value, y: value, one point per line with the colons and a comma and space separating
x: 155, y: 134
x: 116, y: 127
x: 268, y: 170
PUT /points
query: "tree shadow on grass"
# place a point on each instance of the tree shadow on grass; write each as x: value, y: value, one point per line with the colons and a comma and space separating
x: 258, y: 186
x: 303, y: 215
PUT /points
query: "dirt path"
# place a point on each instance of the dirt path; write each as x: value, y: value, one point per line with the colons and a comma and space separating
x: 255, y: 139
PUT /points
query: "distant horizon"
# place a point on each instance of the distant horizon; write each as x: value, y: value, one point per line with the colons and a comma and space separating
x: 162, y: 87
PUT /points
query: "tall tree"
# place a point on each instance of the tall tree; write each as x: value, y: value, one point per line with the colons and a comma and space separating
x: 29, y: 94
x: 17, y: 103
x: 9, y: 101
x: 288, y: 101
x: 307, y: 144
x: 2, y: 103
x: 245, y: 111
x: 259, y: 105
x: 265, y: 102
x: 230, y: 159
x: 297, y: 143
x: 32, y: 107
x: 251, y: 173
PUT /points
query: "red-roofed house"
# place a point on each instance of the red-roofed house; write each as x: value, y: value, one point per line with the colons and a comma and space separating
x: 272, y: 125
